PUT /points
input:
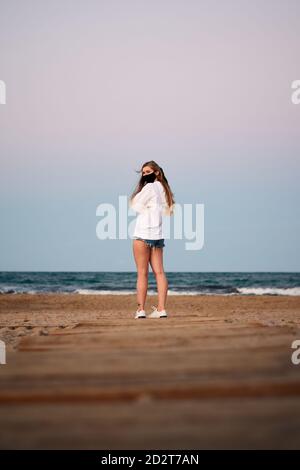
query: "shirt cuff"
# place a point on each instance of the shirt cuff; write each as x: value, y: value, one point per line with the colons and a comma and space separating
x: 137, y: 206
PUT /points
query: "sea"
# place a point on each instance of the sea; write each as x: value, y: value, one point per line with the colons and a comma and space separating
x: 117, y: 283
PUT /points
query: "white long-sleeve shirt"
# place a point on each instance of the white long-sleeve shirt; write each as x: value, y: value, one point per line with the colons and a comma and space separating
x: 151, y: 204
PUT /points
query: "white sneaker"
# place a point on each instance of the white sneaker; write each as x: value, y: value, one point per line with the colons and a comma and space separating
x: 140, y: 314
x: 157, y: 313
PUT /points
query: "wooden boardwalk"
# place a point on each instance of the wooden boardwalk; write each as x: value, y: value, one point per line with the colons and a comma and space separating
x: 83, y: 373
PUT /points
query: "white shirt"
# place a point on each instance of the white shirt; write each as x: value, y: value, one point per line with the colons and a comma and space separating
x: 151, y: 204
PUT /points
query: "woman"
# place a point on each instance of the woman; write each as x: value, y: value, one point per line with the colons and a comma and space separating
x: 152, y: 198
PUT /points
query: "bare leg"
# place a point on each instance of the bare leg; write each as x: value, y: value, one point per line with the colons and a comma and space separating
x: 141, y: 255
x: 156, y: 261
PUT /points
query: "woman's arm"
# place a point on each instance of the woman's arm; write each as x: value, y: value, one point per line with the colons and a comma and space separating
x: 140, y: 200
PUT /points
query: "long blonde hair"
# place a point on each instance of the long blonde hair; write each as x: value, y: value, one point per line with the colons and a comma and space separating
x: 160, y: 177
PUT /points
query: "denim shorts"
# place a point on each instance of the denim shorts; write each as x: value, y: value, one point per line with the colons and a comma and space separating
x: 153, y: 243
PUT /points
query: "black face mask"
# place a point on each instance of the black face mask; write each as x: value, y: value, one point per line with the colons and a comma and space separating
x: 149, y: 178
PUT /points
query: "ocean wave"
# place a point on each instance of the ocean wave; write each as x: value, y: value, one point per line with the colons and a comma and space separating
x: 294, y: 291
x: 290, y: 291
x: 129, y: 292
x: 103, y: 292
x: 18, y: 290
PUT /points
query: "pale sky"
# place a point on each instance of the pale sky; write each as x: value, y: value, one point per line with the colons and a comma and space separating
x: 95, y: 88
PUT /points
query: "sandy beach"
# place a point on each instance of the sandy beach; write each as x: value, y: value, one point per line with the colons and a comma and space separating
x: 82, y: 373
